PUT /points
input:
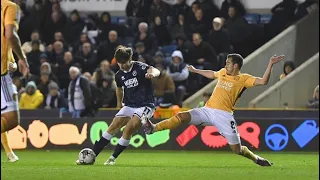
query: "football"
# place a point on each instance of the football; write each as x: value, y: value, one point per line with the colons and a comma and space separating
x: 87, y: 156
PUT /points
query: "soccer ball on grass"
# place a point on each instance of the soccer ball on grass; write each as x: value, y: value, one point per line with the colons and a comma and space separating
x: 87, y: 156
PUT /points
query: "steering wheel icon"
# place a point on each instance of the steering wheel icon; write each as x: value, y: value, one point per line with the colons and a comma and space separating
x: 277, y: 141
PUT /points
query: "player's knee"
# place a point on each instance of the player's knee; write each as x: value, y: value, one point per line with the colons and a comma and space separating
x: 184, y: 117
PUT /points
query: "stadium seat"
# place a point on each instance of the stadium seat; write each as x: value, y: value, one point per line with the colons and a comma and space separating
x: 168, y: 50
x: 265, y: 18
x: 252, y: 18
x: 114, y: 19
x: 121, y: 20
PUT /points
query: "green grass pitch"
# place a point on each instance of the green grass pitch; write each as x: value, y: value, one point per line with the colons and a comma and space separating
x: 164, y: 165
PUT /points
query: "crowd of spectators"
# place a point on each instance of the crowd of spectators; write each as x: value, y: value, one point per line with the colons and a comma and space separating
x: 203, y: 35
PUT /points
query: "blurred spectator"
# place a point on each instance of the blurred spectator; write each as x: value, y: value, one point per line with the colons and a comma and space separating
x: 77, y: 45
x: 87, y: 58
x: 138, y: 11
x: 34, y: 57
x: 306, y: 8
x: 107, y: 48
x: 38, y: 15
x: 79, y: 93
x: 179, y: 72
x: 103, y: 72
x: 218, y: 37
x: 140, y: 51
x: 54, y: 99
x: 288, y: 67
x: 31, y: 98
x: 199, y: 24
x: 25, y: 29
x: 162, y: 84
x: 179, y: 9
x: 55, y: 24
x: 191, y: 15
x: 235, y: 3
x: 105, y: 26
x: 30, y: 77
x: 282, y: 17
x: 159, y: 58
x: 108, y: 93
x: 159, y: 8
x: 35, y: 36
x: 44, y: 82
x: 204, y: 56
x: 88, y: 76
x: 57, y: 53
x: 18, y: 83
x: 63, y: 70
x: 161, y: 32
x: 95, y: 95
x: 210, y: 10
x: 43, y: 58
x: 314, y: 102
x: 179, y: 27
x: 239, y: 30
x: 206, y: 97
x: 149, y: 39
x: 74, y: 27
x: 46, y: 68
x: 186, y: 47
x: 58, y: 36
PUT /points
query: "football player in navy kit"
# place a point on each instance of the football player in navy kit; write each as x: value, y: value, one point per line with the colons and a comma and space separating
x: 135, y: 92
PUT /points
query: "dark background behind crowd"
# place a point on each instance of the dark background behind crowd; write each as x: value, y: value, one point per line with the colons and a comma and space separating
x: 167, y: 37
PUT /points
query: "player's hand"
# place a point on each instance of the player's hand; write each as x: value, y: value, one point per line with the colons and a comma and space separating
x: 149, y: 75
x: 191, y: 68
x: 23, y: 67
x: 275, y: 59
x: 13, y: 66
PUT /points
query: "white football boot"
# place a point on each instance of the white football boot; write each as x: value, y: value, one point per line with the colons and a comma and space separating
x: 12, y: 157
x: 111, y: 161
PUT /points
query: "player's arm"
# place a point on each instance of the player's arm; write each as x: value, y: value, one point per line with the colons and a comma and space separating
x: 265, y: 79
x: 11, y: 22
x: 152, y: 72
x: 119, y: 94
x: 206, y: 73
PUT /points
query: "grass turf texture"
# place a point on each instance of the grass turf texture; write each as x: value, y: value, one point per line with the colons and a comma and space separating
x: 164, y: 165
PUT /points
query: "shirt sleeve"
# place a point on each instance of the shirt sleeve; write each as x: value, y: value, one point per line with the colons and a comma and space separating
x: 144, y: 67
x: 218, y: 73
x: 118, y: 81
x: 12, y: 16
x: 249, y: 82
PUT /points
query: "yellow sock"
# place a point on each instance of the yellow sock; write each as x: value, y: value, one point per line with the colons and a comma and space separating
x: 5, y: 144
x: 168, y: 124
x: 248, y: 154
x: 3, y: 124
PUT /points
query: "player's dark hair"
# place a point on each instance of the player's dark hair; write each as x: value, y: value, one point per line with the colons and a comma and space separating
x: 236, y: 59
x: 123, y: 55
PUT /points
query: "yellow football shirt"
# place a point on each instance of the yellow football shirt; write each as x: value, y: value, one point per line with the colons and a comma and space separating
x: 10, y: 15
x: 228, y: 90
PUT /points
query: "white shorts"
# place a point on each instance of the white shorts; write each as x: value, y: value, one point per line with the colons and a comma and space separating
x: 129, y: 112
x: 224, y: 122
x: 8, y: 89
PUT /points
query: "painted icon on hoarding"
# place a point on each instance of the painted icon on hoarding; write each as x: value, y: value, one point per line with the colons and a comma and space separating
x: 276, y: 137
x: 305, y: 132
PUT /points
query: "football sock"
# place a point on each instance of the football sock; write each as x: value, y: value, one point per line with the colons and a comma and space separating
x: 248, y: 154
x: 168, y: 124
x: 3, y: 125
x: 103, y: 142
x: 5, y: 144
x: 122, y: 145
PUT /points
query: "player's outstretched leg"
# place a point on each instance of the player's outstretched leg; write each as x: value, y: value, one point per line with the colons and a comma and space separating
x: 172, y: 123
x: 10, y: 154
x: 133, y: 125
x: 9, y: 120
x: 116, y: 125
x: 245, y: 152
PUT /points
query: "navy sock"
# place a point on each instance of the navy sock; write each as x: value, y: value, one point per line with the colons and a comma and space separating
x: 99, y: 145
x: 118, y: 150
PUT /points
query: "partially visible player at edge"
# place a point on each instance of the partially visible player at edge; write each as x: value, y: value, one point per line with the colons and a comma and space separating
x: 135, y: 90
x: 10, y: 41
x: 218, y: 111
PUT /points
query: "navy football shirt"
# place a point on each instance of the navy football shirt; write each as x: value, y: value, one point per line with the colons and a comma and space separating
x: 138, y: 90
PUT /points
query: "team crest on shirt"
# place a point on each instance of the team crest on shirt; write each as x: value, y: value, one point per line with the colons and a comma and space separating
x: 236, y: 78
x: 134, y: 73
x: 143, y: 67
x: 123, y: 78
